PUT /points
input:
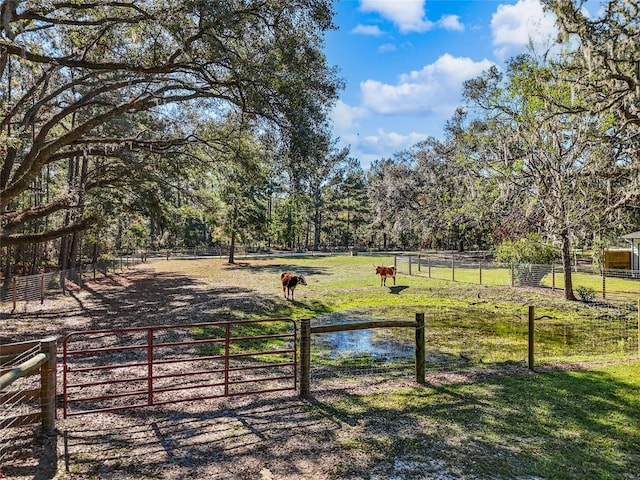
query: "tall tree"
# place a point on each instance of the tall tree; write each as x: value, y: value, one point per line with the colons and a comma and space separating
x: 605, y: 72
x: 242, y: 184
x: 552, y: 164
x: 106, y: 85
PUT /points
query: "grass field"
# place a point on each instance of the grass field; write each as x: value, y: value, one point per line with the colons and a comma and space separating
x: 564, y: 423
x: 556, y: 425
x: 496, y: 275
x: 576, y: 418
x: 479, y: 322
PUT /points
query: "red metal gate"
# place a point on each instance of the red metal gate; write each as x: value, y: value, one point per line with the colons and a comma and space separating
x: 108, y: 370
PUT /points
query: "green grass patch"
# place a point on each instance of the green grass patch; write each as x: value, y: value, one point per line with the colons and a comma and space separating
x: 464, y: 320
x: 557, y: 425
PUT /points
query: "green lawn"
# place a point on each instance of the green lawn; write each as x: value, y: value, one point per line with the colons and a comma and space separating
x: 555, y: 425
x: 580, y: 424
x: 482, y: 322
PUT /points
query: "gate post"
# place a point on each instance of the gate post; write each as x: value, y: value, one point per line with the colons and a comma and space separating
x: 48, y: 385
x: 305, y: 357
x: 42, y: 288
x: 420, y: 348
x: 14, y: 293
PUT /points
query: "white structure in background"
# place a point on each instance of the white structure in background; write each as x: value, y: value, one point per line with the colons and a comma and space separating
x: 634, y: 238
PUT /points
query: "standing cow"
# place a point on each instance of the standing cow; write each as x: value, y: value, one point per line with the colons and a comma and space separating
x: 385, y: 272
x: 289, y: 282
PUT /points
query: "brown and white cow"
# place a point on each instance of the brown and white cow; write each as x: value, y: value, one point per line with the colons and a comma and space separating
x: 385, y: 272
x: 289, y: 282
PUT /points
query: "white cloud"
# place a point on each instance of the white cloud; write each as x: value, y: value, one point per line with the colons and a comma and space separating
x: 516, y: 26
x: 383, y: 142
x: 371, y: 30
x: 408, y: 15
x: 387, y: 47
x: 434, y: 89
x: 451, y: 22
x: 345, y: 116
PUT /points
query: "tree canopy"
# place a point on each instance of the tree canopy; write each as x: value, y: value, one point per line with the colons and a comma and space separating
x: 108, y: 96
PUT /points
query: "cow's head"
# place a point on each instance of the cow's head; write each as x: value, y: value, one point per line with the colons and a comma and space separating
x: 379, y: 270
x: 302, y: 280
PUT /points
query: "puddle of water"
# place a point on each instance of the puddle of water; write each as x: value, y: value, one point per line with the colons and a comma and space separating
x: 382, y: 344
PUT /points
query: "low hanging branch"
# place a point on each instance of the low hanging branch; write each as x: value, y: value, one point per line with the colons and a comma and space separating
x: 19, y: 239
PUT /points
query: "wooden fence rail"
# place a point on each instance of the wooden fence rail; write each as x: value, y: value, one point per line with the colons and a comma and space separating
x: 306, y: 330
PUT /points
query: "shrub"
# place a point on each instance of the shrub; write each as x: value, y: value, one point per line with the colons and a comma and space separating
x: 586, y: 294
x: 531, y: 257
x: 530, y: 249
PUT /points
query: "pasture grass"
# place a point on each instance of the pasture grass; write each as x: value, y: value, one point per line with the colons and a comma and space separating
x: 579, y: 424
x: 557, y: 425
x: 480, y: 322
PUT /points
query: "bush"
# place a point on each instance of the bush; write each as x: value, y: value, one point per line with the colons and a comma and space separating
x: 586, y: 294
x: 531, y: 257
x: 530, y: 249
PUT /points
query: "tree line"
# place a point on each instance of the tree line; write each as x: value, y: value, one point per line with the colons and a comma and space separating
x: 163, y: 124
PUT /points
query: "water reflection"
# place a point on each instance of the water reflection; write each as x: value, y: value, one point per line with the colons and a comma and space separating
x: 380, y: 344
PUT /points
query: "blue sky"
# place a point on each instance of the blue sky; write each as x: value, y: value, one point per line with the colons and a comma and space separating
x: 404, y: 62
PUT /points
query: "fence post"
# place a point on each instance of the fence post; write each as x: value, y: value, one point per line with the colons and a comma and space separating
x: 420, y: 348
x: 409, y: 264
x: 553, y: 276
x: 513, y: 280
x: 41, y: 288
x: 453, y: 267
x: 305, y: 357
x: 48, y: 385
x: 480, y: 273
x: 604, y: 285
x: 429, y: 265
x: 531, y: 336
x: 395, y: 262
x: 14, y: 293
x: 418, y: 263
x: 639, y: 328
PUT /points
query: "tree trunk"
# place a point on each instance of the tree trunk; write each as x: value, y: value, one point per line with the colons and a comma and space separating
x: 317, y: 225
x: 566, y: 265
x: 232, y: 246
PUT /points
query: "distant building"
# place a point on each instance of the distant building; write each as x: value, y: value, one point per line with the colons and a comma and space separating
x: 634, y: 238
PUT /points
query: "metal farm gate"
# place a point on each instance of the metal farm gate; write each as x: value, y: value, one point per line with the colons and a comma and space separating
x: 109, y: 370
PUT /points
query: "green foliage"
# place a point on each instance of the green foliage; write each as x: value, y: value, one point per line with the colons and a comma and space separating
x: 586, y: 294
x: 135, y: 236
x: 531, y: 249
x: 530, y: 256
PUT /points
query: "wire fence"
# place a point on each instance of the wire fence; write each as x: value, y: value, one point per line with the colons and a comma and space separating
x: 372, y: 353
x: 589, y: 282
x: 459, y: 337
x: 36, y: 288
